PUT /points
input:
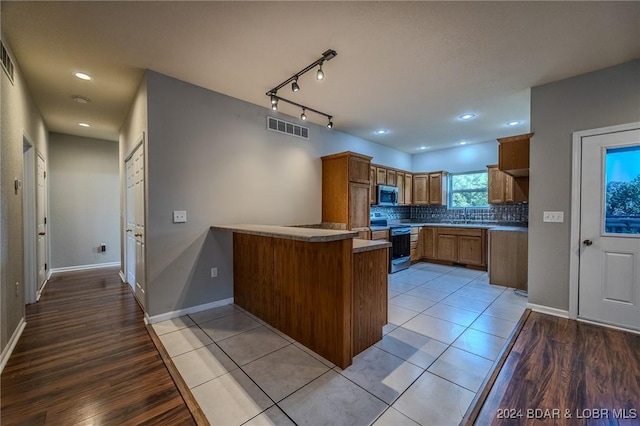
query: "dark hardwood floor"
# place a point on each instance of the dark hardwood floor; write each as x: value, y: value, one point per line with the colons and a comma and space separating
x: 566, y: 372
x: 85, y: 357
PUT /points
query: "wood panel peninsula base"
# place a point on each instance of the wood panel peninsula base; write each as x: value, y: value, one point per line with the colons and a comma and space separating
x: 320, y: 287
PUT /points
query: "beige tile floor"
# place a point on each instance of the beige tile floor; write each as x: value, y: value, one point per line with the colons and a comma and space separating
x: 446, y: 327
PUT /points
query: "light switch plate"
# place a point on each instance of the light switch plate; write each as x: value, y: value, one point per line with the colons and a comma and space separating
x: 179, y: 216
x: 557, y: 217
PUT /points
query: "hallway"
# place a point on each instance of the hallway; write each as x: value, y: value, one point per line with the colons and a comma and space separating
x: 85, y: 357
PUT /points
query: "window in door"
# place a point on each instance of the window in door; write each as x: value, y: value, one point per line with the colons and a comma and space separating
x: 468, y: 189
x: 622, y: 179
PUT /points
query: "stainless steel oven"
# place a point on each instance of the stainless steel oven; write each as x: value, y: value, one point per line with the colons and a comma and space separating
x: 400, y: 251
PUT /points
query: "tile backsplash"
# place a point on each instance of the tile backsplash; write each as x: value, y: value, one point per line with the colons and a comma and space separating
x: 512, y: 214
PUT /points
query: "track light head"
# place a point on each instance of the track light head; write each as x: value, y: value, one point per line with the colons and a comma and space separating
x: 303, y: 116
x: 274, y: 99
x: 274, y: 106
x: 320, y: 73
x: 330, y: 123
x: 294, y: 85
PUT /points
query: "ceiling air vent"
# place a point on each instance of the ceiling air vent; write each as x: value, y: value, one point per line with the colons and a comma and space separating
x: 282, y: 126
x: 7, y: 63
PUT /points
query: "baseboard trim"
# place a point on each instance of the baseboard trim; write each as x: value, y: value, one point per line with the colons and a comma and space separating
x: 39, y: 292
x: 548, y: 310
x: 85, y: 267
x: 604, y: 324
x: 181, y: 312
x: 11, y: 344
x: 124, y: 281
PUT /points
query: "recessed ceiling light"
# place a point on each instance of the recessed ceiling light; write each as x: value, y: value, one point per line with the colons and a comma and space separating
x: 80, y: 99
x: 382, y: 131
x: 463, y: 142
x: 83, y: 76
x: 84, y: 124
x: 467, y: 116
x: 423, y: 147
x: 513, y: 123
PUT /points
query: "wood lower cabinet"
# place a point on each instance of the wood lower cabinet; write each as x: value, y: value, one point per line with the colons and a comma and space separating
x: 428, y: 241
x: 508, y: 258
x: 415, y: 250
x: 448, y: 247
x: 380, y: 235
x: 467, y: 246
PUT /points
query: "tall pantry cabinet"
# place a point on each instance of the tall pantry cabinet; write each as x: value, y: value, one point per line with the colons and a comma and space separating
x: 346, y: 190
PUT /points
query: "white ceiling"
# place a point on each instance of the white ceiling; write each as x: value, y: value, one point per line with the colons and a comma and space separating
x: 409, y: 67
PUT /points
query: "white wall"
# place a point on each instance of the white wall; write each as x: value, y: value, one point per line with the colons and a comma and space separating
x: 465, y: 158
x: 85, y: 200
x: 599, y: 99
x: 19, y: 117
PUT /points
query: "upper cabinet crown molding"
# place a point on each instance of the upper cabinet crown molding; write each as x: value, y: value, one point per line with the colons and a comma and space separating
x: 513, y: 155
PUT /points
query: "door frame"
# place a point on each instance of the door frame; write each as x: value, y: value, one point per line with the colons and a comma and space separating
x: 576, y: 181
x: 29, y: 219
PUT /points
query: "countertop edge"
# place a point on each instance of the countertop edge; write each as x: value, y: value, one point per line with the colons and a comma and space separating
x: 289, y: 233
x: 360, y: 246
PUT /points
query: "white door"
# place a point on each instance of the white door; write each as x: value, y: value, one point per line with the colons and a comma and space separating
x: 130, y: 261
x: 135, y: 230
x: 609, y: 281
x: 41, y: 222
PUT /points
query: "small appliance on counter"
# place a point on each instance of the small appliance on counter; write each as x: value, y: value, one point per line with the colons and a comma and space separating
x: 400, y: 238
x: 387, y: 195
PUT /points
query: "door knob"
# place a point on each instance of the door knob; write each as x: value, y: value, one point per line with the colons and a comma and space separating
x: 129, y: 230
x: 137, y: 234
x: 42, y: 233
x: 587, y: 242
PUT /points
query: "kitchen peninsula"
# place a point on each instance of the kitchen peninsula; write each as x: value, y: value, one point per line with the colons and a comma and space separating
x: 321, y: 287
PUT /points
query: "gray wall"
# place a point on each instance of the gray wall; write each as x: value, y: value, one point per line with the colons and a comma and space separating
x: 599, y: 99
x: 459, y: 159
x: 212, y: 156
x: 84, y: 200
x: 19, y: 117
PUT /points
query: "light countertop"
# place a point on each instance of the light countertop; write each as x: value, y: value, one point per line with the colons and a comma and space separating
x: 366, y: 245
x: 289, y: 233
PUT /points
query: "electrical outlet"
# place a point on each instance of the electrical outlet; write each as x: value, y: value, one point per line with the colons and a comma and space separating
x: 557, y: 217
x: 214, y: 272
x: 179, y: 216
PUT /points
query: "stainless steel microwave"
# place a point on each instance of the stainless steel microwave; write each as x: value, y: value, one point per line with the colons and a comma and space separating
x: 387, y: 195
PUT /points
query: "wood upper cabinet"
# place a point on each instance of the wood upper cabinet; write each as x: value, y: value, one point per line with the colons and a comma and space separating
x: 420, y: 189
x: 381, y: 176
x: 359, y: 168
x: 372, y: 184
x: 430, y: 188
x: 408, y: 188
x: 513, y: 155
x: 428, y: 241
x: 504, y: 188
x: 391, y: 177
x: 400, y: 185
x: 346, y: 189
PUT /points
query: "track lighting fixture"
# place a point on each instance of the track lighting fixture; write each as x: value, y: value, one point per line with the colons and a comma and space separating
x: 273, y: 93
x: 320, y: 73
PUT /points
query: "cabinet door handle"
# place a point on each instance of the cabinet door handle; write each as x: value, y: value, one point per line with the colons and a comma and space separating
x: 587, y: 242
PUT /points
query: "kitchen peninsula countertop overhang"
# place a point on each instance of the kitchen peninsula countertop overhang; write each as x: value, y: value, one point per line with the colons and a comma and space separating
x: 290, y: 232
